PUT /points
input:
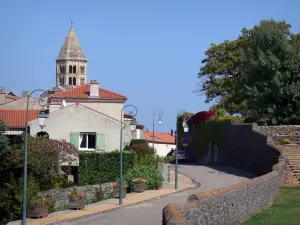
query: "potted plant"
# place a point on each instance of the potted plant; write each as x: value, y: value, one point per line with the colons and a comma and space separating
x: 76, y: 200
x: 139, y: 184
x: 116, y: 189
x: 37, y: 207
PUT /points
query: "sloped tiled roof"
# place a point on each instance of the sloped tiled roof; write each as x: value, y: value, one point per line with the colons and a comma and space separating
x: 83, y: 92
x: 16, y: 118
x: 160, y: 137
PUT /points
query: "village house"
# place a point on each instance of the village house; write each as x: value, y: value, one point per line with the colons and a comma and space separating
x: 164, y: 142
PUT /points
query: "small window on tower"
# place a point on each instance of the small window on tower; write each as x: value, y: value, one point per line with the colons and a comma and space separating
x: 70, y: 69
x: 74, y: 69
x: 70, y: 80
x: 74, y: 81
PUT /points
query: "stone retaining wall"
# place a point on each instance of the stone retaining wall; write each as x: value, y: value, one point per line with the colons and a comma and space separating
x: 92, y: 193
x: 226, y: 205
x: 278, y: 133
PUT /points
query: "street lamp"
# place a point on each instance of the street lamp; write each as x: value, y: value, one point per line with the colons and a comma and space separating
x: 42, y: 123
x: 159, y: 122
x: 185, y: 129
x: 132, y: 127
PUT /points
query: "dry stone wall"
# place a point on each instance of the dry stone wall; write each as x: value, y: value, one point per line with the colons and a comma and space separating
x: 278, y: 133
x: 227, y: 205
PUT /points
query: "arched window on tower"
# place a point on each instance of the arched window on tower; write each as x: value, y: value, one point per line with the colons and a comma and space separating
x: 70, y: 80
x: 82, y: 69
x: 70, y: 69
x: 74, y: 69
x: 74, y: 81
x: 60, y: 69
x: 63, y: 68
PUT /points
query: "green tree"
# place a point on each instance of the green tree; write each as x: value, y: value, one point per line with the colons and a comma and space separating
x: 220, y: 76
x: 270, y: 56
x: 256, y: 75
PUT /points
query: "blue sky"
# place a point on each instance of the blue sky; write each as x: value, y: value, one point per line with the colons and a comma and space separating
x: 149, y: 51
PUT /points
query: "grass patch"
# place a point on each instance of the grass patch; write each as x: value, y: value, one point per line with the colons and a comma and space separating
x: 284, y: 211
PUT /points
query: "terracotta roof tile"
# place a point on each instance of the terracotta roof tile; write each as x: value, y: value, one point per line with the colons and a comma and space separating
x: 16, y: 118
x: 160, y: 137
x: 83, y: 92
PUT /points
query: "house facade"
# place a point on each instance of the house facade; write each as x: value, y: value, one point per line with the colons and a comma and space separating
x: 84, y: 127
x: 164, y: 142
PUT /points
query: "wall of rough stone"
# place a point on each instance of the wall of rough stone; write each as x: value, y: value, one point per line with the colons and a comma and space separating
x: 248, y: 149
x: 92, y: 192
x: 227, y: 205
x: 278, y: 133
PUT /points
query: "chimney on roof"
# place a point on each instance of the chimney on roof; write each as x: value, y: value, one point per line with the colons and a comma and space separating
x: 171, y: 132
x: 25, y: 93
x: 2, y: 96
x: 94, y: 89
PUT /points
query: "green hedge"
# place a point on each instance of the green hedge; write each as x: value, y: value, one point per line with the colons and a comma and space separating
x: 104, y: 167
x: 99, y: 168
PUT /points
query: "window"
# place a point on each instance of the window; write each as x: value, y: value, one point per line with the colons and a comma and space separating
x: 74, y: 81
x: 70, y: 69
x: 87, y: 141
x: 70, y: 80
x: 74, y: 69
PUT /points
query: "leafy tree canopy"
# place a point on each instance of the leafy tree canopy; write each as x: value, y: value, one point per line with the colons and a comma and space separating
x: 257, y: 75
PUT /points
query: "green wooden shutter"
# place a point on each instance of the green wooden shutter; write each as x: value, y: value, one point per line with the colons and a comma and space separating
x: 74, y: 139
x: 100, y: 141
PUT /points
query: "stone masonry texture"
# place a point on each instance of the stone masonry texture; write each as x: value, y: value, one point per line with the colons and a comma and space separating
x: 60, y: 196
x: 248, y: 148
x: 278, y: 133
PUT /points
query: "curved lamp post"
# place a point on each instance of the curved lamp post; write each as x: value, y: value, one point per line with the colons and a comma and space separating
x: 42, y: 123
x: 132, y: 127
x: 159, y: 122
x: 185, y: 129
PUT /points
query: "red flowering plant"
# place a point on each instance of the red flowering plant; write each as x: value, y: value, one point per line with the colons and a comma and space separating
x: 201, y: 117
x: 117, y: 184
x: 76, y: 195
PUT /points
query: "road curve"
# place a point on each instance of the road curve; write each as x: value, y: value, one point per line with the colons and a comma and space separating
x: 150, y: 213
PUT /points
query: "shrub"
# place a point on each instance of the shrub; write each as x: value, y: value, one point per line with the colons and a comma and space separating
x: 165, y: 159
x: 144, y: 159
x: 141, y: 146
x: 99, y: 168
x: 286, y: 141
x: 151, y: 174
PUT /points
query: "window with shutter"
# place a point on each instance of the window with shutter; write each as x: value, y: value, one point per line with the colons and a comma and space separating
x: 100, y: 141
x: 74, y: 139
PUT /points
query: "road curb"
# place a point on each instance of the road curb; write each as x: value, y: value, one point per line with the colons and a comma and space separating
x: 197, y: 184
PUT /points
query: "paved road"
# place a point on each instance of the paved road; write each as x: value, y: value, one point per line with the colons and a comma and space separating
x: 151, y: 213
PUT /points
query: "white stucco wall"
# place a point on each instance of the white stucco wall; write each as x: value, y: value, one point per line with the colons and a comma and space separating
x: 162, y: 149
x: 79, y: 119
x: 110, y: 109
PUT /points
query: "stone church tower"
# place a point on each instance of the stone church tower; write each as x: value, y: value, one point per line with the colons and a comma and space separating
x: 71, y: 63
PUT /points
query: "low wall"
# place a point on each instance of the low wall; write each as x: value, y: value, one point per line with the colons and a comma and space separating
x: 226, y: 205
x: 278, y: 133
x: 93, y: 193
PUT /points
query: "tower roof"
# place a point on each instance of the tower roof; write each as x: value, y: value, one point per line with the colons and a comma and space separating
x: 71, y: 49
